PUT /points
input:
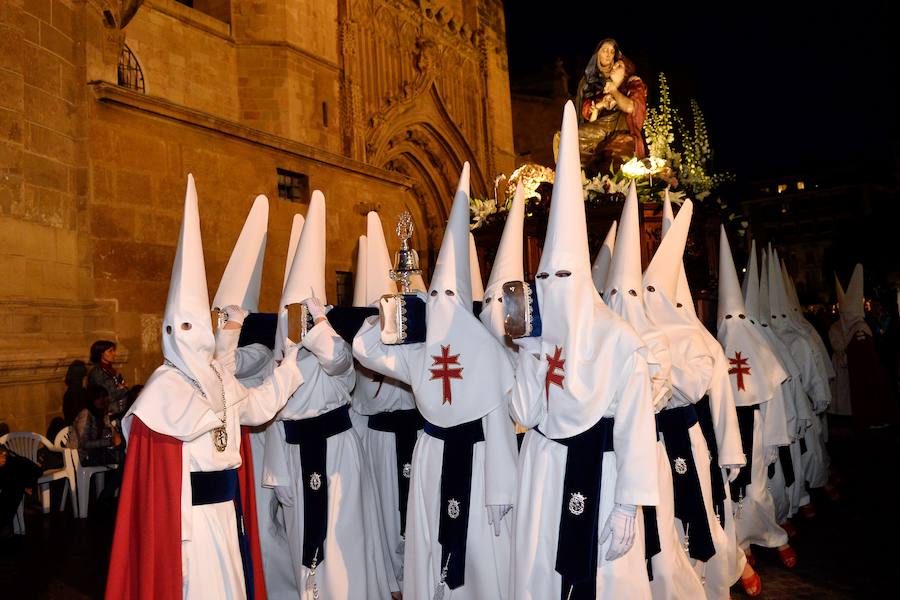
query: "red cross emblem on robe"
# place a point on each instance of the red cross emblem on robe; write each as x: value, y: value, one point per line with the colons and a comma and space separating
x: 739, y: 367
x: 443, y: 370
x: 553, y: 363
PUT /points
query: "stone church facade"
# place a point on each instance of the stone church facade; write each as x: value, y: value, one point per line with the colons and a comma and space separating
x: 106, y: 105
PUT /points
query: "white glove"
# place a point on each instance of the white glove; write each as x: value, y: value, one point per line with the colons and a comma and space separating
x: 496, y: 512
x: 290, y: 350
x: 619, y: 525
x: 733, y: 472
x: 532, y: 345
x: 315, y: 307
x: 285, y: 495
x: 235, y: 314
x: 771, y: 453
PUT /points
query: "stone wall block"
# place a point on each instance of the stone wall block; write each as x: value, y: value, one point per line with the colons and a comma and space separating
x: 45, y: 172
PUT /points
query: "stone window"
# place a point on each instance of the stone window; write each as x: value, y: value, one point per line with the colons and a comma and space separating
x: 344, y: 288
x: 129, y: 73
x: 293, y: 186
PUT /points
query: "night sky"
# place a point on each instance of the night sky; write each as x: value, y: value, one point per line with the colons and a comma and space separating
x: 784, y: 88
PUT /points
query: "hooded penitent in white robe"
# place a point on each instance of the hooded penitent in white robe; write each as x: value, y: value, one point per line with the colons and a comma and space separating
x: 788, y: 488
x: 756, y: 379
x: 353, y: 566
x: 588, y: 365
x: 695, y: 373
x: 461, y: 378
x: 813, y: 376
x: 192, y: 395
x: 251, y: 365
x: 840, y: 389
x: 376, y: 394
x: 673, y: 576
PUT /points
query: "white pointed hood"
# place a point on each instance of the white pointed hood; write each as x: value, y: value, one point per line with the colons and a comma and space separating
x: 692, y: 362
x: 577, y: 328
x: 662, y: 272
x: 296, y: 229
x: 508, y: 266
x: 625, y: 268
x: 359, y: 281
x: 840, y: 298
x: 683, y: 299
x: 624, y: 297
x: 455, y: 341
x: 750, y: 285
x: 600, y: 269
x: 852, y: 311
x: 756, y: 372
x: 475, y: 271
x: 307, y: 275
x: 187, y: 335
x: 378, y: 261
x: 731, y: 301
x: 452, y: 268
x: 242, y: 278
x: 763, y: 312
x: 281, y: 323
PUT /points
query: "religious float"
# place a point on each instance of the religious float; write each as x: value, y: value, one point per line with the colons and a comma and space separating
x: 622, y: 138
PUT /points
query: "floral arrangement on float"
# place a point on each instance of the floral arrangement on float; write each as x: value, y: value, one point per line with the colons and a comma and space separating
x: 679, y: 160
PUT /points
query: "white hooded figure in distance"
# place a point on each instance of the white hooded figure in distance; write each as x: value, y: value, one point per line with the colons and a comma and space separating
x: 390, y: 422
x: 719, y: 426
x: 840, y: 389
x: 812, y: 376
x: 786, y: 479
x: 463, y: 470
x: 314, y: 460
x: 584, y: 388
x: 251, y: 364
x: 757, y: 378
x: 198, y: 404
x: 672, y: 573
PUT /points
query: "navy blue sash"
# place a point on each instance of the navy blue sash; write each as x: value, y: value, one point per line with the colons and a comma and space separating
x: 746, y: 415
x: 787, y: 466
x: 213, y: 487
x: 312, y: 437
x: 579, y: 521
x: 404, y: 424
x: 704, y: 418
x: 456, y: 492
x: 674, y: 424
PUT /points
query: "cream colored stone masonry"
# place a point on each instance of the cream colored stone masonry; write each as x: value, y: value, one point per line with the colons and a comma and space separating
x: 378, y: 102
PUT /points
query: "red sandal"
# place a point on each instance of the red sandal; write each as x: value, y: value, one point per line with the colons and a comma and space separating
x: 808, y: 511
x: 788, y: 557
x: 752, y: 585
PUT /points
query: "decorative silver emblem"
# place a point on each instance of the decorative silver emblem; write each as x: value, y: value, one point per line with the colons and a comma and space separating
x: 453, y: 508
x: 220, y: 438
x: 315, y: 482
x: 407, y: 470
x: 680, y: 465
x: 576, y: 503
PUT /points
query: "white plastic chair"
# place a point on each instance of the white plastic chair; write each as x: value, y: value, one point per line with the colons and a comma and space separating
x: 83, y: 476
x: 66, y: 473
x: 26, y: 444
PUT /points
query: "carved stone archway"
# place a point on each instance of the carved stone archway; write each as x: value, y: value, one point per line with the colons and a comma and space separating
x: 422, y: 143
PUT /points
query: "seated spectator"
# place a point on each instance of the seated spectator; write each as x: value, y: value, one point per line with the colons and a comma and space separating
x: 92, y: 433
x: 96, y: 441
x: 17, y: 476
x: 105, y: 375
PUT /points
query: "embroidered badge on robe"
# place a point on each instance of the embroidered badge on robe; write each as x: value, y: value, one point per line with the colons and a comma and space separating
x: 576, y: 503
x: 553, y: 363
x: 740, y: 367
x: 444, y: 371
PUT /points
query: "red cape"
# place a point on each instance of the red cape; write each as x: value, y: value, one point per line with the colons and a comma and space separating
x: 145, y: 563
